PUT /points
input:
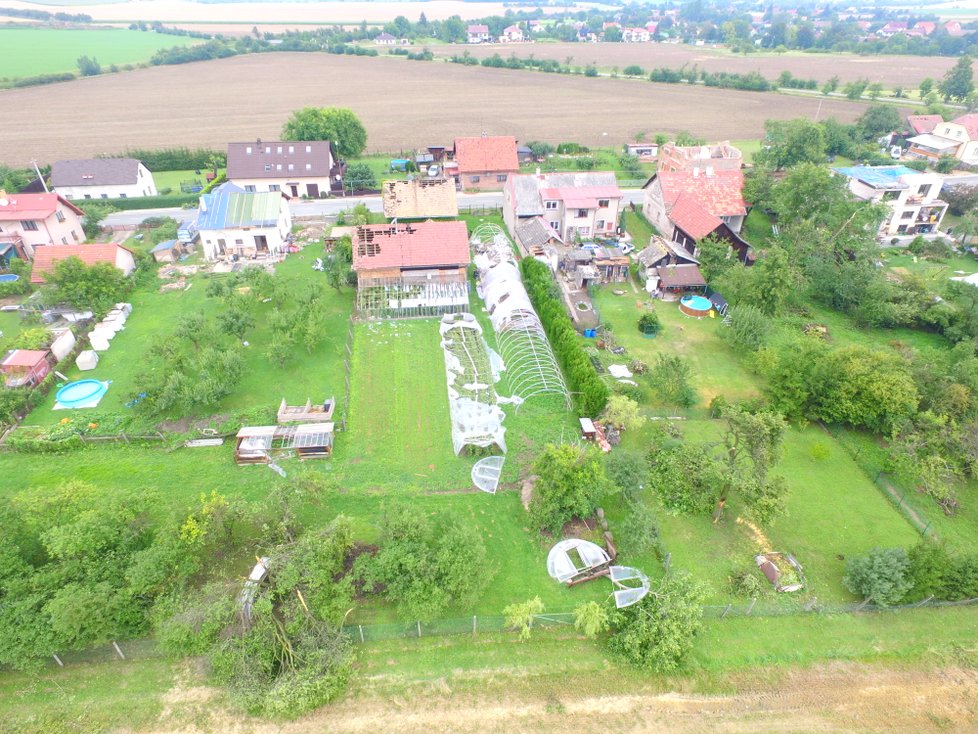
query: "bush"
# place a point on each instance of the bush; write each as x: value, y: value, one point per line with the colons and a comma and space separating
x: 747, y: 583
x: 881, y: 577
x: 176, y: 159
x: 649, y: 324
x: 634, y: 70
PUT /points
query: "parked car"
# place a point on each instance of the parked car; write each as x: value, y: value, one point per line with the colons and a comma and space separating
x: 895, y: 152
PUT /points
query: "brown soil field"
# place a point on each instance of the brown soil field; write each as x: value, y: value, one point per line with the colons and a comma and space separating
x: 827, y: 698
x: 169, y: 11
x: 403, y: 104
x: 907, y: 71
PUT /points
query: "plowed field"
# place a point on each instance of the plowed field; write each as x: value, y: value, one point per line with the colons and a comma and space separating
x: 404, y: 104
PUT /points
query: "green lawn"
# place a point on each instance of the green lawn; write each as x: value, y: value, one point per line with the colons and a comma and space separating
x: 605, y: 159
x: 10, y: 326
x: 33, y: 51
x: 315, y: 375
x: 640, y: 228
x: 173, y: 179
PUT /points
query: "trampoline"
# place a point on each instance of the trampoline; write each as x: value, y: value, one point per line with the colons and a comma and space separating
x: 9, y: 277
x: 695, y: 306
x: 81, y: 394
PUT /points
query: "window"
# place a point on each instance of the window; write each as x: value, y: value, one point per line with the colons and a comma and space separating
x: 309, y: 166
x: 247, y: 152
x: 278, y: 166
x: 279, y: 149
x: 88, y: 196
x: 239, y: 242
x: 584, y: 230
x: 123, y: 196
x: 599, y: 224
x: 291, y: 167
x: 501, y: 178
x: 308, y: 149
x: 473, y: 179
x: 924, y: 190
x: 105, y: 196
x: 274, y: 187
x: 292, y: 149
x: 550, y: 205
x: 60, y: 215
x: 581, y: 213
x: 603, y: 203
x: 268, y: 166
x: 555, y: 226
x: 64, y: 240
x: 29, y: 225
x: 268, y: 149
x: 250, y: 188
x: 74, y: 235
x: 907, y: 215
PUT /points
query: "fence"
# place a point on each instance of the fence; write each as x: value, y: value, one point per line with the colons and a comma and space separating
x: 347, y: 366
x: 480, y: 210
x: 875, y: 471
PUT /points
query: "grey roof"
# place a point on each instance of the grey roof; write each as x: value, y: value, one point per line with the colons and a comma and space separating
x: 95, y: 172
x: 272, y: 158
x: 527, y: 187
x: 659, y: 248
x: 535, y: 232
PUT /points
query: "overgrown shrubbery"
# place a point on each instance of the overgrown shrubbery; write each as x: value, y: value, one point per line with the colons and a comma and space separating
x: 572, y: 482
x: 591, y: 394
x: 176, y: 159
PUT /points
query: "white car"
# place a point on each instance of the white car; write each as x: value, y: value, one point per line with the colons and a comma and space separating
x: 895, y: 152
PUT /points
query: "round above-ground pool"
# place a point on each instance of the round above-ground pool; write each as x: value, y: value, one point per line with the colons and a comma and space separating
x: 80, y: 392
x: 9, y: 277
x: 696, y: 306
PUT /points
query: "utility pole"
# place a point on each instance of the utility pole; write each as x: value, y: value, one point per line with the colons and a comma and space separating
x: 38, y: 172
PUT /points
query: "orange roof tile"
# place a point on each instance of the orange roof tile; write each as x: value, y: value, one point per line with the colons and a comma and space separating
x: 46, y: 257
x: 689, y: 215
x: 481, y: 155
x: 719, y: 192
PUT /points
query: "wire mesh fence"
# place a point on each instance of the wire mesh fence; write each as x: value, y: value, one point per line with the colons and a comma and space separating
x: 872, y: 464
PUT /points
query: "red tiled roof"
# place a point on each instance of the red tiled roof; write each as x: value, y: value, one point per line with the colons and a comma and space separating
x: 970, y: 124
x: 478, y: 155
x: 24, y: 358
x: 478, y: 28
x: 46, y: 257
x: 420, y: 245
x: 719, y: 192
x: 924, y: 123
x: 32, y: 206
x: 689, y: 215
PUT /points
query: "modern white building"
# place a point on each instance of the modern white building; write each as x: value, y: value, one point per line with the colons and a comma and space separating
x: 238, y: 224
x: 912, y: 197
x: 102, y: 178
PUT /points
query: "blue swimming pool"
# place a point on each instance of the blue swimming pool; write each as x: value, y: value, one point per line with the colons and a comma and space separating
x: 697, y: 306
x: 9, y: 277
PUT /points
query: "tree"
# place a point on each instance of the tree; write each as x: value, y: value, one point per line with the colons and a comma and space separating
x: 81, y: 286
x: 658, y: 632
x: 716, y: 257
x: 623, y: 412
x: 789, y: 142
x: 424, y: 564
x: 89, y: 66
x: 591, y: 618
x: 359, y: 177
x: 854, y: 90
x: 773, y: 281
x: 571, y: 483
x: 521, y: 616
x: 874, y: 90
x: 877, y: 120
x: 880, y: 577
x: 634, y: 70
x: 958, y: 83
x: 830, y: 86
x: 94, y: 214
x: 670, y: 377
x: 749, y: 327
x: 649, y: 324
x: 236, y: 321
x: 926, y: 86
x: 336, y: 124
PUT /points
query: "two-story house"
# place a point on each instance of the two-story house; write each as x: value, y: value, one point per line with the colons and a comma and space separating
x: 478, y: 33
x: 102, y: 178
x: 28, y: 221
x: 46, y: 258
x: 912, y: 197
x: 688, y: 206
x: 719, y: 157
x: 234, y: 223
x: 484, y: 163
x: 573, y: 205
x: 959, y: 138
x: 512, y: 34
x: 295, y: 167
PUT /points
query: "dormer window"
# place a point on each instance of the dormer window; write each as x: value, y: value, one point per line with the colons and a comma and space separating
x: 603, y: 203
x: 291, y: 166
x: 308, y: 149
x: 279, y: 150
x: 268, y: 149
x: 268, y: 166
x: 309, y: 166
x: 291, y: 149
x: 550, y: 205
x: 248, y: 150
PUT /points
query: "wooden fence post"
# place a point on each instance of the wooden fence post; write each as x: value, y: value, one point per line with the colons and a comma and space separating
x: 116, y: 646
x: 419, y: 628
x: 725, y: 611
x: 361, y: 632
x: 57, y: 659
x: 751, y: 607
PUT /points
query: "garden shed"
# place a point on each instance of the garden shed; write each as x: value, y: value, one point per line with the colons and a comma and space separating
x: 25, y: 367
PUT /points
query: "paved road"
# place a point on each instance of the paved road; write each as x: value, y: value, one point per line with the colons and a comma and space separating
x: 331, y: 207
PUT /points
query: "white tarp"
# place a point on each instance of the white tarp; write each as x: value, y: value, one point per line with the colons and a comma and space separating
x: 574, y: 557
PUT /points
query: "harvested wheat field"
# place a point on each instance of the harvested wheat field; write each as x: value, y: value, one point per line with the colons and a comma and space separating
x: 404, y: 104
x: 891, y: 71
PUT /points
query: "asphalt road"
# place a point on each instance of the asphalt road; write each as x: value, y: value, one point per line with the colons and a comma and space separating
x: 331, y: 207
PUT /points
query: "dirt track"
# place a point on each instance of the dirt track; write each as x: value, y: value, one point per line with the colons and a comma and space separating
x: 404, y: 104
x: 831, y: 698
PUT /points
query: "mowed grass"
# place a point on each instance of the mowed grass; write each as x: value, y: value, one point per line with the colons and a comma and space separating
x: 307, y: 375
x: 33, y: 51
x: 173, y: 179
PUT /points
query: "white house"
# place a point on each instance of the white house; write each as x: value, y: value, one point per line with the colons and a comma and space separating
x: 296, y: 168
x: 573, y: 205
x: 912, y: 196
x: 478, y: 33
x: 959, y: 138
x: 512, y: 34
x: 29, y: 221
x: 102, y: 178
x: 234, y: 223
x: 385, y: 39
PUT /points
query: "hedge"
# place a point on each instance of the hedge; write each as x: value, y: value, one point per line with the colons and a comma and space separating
x: 590, y: 392
x: 141, y: 202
